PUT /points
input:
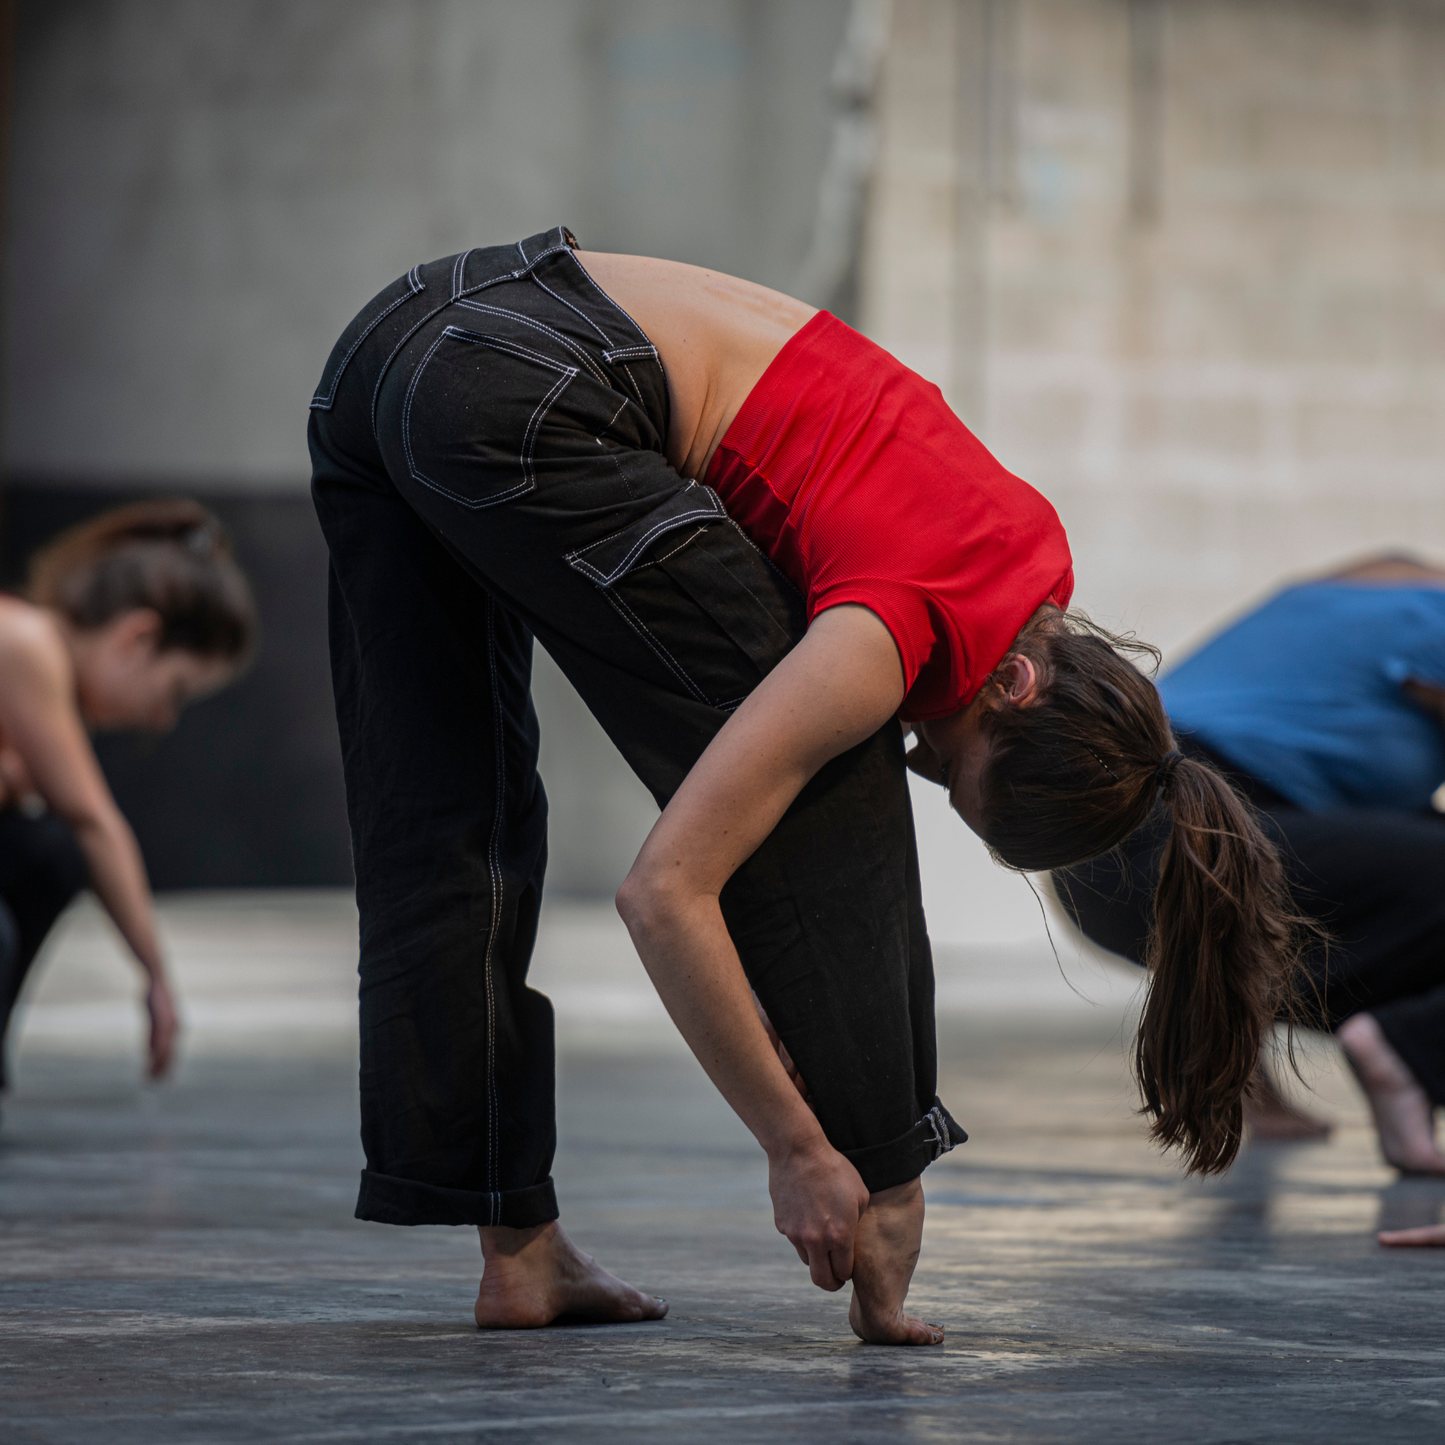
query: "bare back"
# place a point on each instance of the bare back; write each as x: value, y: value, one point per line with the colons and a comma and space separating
x: 716, y: 336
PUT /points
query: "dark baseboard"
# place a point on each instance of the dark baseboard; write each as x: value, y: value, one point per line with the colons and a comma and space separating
x: 247, y: 791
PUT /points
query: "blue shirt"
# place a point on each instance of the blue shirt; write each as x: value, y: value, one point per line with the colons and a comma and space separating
x: 1304, y: 694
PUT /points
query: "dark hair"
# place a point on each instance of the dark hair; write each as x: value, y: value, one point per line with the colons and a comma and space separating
x: 170, y: 555
x: 1069, y: 776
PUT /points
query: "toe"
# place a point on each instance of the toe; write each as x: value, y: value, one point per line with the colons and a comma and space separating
x: 920, y: 1332
x: 642, y: 1307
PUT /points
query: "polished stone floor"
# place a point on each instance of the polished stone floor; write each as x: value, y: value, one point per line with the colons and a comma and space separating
x: 180, y: 1264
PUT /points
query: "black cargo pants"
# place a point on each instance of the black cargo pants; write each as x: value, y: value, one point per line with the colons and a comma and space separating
x: 487, y: 447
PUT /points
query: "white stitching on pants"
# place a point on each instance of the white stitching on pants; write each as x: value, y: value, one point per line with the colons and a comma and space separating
x: 670, y: 662
x: 710, y: 499
x: 621, y: 408
x: 681, y: 519
x: 593, y: 284
x: 613, y: 356
x: 459, y: 271
x: 627, y: 372
x: 324, y: 401
x: 529, y: 437
x: 606, y: 339
x: 506, y: 344
x: 541, y: 256
x: 557, y: 336
x: 691, y: 536
x: 436, y: 311
x: 630, y: 353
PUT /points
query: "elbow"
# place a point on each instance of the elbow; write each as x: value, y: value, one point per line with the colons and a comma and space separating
x: 634, y: 903
x: 83, y: 819
x: 650, y: 906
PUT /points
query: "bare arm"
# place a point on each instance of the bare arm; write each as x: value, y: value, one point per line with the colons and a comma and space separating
x: 836, y: 688
x: 39, y: 716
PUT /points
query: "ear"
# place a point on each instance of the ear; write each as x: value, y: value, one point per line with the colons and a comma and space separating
x: 1018, y: 681
x: 139, y: 629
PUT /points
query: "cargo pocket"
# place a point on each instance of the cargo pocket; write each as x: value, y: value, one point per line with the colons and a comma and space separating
x: 715, y: 612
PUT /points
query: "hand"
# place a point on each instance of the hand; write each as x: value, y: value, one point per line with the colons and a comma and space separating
x: 818, y: 1199
x: 165, y: 1025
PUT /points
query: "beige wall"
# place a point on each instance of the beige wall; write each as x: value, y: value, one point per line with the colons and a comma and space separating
x: 1182, y: 264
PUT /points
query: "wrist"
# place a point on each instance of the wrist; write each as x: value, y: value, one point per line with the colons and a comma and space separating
x: 797, y: 1142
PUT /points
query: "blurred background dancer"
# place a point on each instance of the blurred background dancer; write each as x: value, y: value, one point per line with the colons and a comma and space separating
x: 130, y: 616
x: 1326, y: 707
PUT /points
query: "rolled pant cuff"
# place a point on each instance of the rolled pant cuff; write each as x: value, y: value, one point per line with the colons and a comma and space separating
x: 884, y: 1165
x: 385, y: 1199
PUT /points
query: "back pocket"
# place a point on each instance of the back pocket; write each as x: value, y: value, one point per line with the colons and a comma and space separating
x: 474, y: 409
x: 716, y: 613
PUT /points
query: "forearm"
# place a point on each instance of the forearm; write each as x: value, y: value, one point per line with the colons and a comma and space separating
x: 685, y: 947
x: 118, y: 878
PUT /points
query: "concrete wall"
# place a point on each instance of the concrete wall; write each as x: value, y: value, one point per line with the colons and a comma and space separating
x: 1198, y: 295
x: 1182, y: 264
x: 201, y: 195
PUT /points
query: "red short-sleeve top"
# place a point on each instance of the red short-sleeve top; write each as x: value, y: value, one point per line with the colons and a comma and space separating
x: 859, y: 482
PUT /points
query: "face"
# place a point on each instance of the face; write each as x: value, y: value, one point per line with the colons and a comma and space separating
x: 125, y: 680
x: 953, y: 751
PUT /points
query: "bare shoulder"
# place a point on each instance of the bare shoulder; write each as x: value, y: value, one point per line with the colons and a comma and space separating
x: 31, y: 644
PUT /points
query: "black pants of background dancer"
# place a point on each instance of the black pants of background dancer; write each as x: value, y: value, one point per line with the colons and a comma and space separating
x: 487, y: 445
x: 41, y: 870
x: 1375, y: 879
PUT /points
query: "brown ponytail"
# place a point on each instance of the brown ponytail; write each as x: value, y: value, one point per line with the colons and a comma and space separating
x: 1073, y: 773
x: 170, y: 555
x: 1222, y: 958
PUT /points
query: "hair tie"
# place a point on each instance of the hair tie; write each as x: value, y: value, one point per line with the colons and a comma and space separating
x: 1165, y: 771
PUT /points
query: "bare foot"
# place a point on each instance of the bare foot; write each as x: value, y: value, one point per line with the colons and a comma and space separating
x: 1404, y: 1115
x: 1426, y: 1234
x: 1272, y: 1119
x: 531, y: 1277
x: 885, y: 1252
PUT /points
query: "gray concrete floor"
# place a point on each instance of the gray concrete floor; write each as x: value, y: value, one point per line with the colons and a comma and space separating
x: 180, y: 1264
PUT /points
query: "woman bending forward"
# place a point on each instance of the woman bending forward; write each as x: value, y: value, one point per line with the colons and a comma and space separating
x: 130, y: 616
x: 754, y: 542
